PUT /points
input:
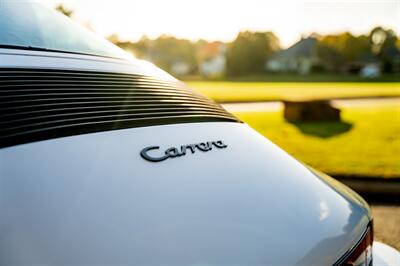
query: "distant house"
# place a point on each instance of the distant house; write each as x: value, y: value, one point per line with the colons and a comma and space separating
x: 212, y: 59
x: 180, y: 68
x: 300, y: 58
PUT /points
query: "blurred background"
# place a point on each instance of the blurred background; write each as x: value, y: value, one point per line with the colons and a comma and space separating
x: 321, y: 79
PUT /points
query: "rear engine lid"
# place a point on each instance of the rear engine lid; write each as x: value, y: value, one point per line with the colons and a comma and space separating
x: 93, y: 198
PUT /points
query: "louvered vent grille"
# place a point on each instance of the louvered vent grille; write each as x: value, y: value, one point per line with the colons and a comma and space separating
x: 43, y: 104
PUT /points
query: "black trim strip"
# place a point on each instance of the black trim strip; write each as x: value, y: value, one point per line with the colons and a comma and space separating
x: 40, y: 104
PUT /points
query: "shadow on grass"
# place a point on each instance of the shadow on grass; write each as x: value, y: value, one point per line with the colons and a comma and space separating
x: 323, y: 129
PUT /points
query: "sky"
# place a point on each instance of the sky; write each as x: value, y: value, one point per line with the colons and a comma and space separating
x: 223, y: 19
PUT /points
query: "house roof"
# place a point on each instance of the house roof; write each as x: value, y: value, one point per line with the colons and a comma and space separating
x: 210, y: 50
x: 303, y: 48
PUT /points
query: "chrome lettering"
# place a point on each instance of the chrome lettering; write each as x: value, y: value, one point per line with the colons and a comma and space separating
x: 175, y: 152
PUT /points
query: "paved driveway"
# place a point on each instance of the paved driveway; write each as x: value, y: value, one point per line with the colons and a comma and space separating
x: 387, y: 224
x: 277, y: 106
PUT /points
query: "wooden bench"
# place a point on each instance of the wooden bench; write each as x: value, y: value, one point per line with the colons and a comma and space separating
x: 309, y: 111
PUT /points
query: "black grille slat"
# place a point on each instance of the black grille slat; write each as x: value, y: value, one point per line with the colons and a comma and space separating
x: 95, y: 103
x: 43, y: 104
x: 75, y: 74
x: 77, y: 99
x: 114, y: 113
x: 83, y: 86
x: 34, y: 110
x: 92, y: 105
x: 94, y: 88
x: 100, y: 95
x: 27, y: 114
x: 24, y: 126
x: 97, y: 126
x: 71, y: 79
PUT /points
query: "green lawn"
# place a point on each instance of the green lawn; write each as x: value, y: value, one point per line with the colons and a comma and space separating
x: 225, y: 91
x: 366, y: 143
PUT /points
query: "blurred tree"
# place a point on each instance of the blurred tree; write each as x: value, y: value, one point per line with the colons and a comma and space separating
x: 169, y: 53
x: 114, y: 38
x: 143, y: 47
x: 70, y: 13
x: 66, y: 11
x: 329, y: 58
x: 384, y: 45
x: 248, y: 53
x: 140, y: 48
x: 348, y: 46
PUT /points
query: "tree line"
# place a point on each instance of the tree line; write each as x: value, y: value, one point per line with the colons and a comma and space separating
x: 248, y: 53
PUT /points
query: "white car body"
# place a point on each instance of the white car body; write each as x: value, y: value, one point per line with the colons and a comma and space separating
x: 91, y: 198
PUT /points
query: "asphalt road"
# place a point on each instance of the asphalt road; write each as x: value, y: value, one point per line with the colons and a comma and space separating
x: 387, y: 224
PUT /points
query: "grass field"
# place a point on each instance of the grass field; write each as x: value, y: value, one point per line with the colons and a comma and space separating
x: 223, y: 91
x: 366, y: 143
